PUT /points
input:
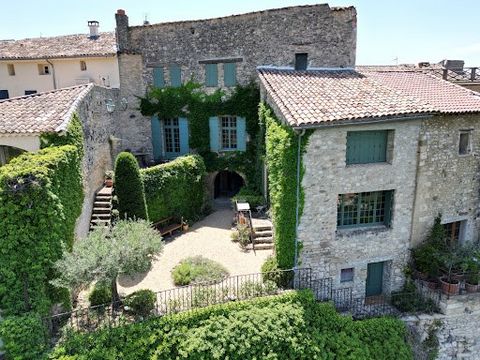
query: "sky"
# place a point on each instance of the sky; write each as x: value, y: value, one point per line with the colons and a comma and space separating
x: 388, y: 32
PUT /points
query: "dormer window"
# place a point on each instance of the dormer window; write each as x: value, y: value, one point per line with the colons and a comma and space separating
x: 43, y: 69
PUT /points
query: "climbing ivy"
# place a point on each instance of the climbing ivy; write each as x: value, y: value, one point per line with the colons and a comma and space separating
x: 281, y: 159
x: 190, y: 101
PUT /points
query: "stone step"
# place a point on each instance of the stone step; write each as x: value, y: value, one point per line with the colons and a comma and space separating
x: 102, y: 204
x: 263, y: 233
x: 101, y: 216
x: 105, y: 191
x: 263, y: 240
x: 258, y: 228
x: 260, y: 247
x: 98, y: 210
x: 103, y: 198
x: 100, y: 222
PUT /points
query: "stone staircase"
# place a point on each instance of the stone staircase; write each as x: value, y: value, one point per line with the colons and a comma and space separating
x: 262, y: 235
x: 102, y: 209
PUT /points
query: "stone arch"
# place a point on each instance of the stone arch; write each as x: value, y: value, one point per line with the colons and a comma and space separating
x: 8, y: 152
x: 213, y: 182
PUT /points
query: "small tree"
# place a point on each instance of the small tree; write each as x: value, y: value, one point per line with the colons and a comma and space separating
x: 129, y: 188
x: 105, y: 254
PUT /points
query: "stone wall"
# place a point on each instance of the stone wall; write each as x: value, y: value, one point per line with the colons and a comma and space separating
x: 270, y: 37
x: 326, y: 175
x: 98, y: 125
x: 447, y: 183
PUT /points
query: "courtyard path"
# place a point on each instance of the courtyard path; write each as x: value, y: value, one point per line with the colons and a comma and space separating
x: 210, y: 238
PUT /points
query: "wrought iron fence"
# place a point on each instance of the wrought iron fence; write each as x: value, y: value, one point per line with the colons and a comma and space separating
x: 462, y: 75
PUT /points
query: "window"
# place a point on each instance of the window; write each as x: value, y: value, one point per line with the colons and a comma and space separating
x: 230, y: 74
x: 43, y: 69
x: 211, y: 75
x: 11, y: 69
x: 464, y: 146
x: 3, y: 94
x: 172, y: 135
x: 175, y: 75
x: 301, y: 61
x: 83, y: 65
x: 346, y: 275
x: 30, y: 92
x: 364, y: 209
x: 228, y: 132
x: 453, y: 232
x: 365, y: 147
x: 158, y: 78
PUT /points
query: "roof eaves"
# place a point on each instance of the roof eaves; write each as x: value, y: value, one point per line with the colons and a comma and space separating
x: 73, y: 108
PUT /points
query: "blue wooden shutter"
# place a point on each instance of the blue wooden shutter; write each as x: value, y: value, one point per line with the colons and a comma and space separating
x: 156, y: 138
x: 211, y: 75
x: 388, y: 208
x: 158, y: 78
x: 366, y: 147
x: 214, y: 134
x: 175, y: 75
x: 230, y: 74
x: 241, y: 134
x: 183, y: 130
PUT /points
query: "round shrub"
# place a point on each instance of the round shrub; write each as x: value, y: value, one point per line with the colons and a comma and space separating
x: 129, y: 188
x: 100, y: 295
x: 272, y: 273
x: 141, y: 302
x: 197, y: 269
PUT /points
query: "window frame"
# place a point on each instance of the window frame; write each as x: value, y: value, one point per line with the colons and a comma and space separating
x: 171, y: 128
x: 468, y: 149
x: 350, y: 271
x: 43, y: 69
x: 362, y: 209
x: 387, y: 143
x: 11, y: 69
x: 30, y: 92
x: 231, y: 131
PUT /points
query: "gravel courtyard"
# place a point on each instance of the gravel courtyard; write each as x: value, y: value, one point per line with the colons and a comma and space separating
x: 209, y: 238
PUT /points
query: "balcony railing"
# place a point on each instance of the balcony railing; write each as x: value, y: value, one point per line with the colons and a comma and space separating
x: 465, y: 75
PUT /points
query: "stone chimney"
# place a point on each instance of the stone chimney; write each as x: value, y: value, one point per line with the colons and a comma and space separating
x: 121, y: 31
x: 93, y: 26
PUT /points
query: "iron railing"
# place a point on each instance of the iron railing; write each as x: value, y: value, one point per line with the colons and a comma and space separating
x: 465, y: 75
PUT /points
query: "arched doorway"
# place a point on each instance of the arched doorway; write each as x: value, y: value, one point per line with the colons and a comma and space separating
x: 7, y: 153
x: 227, y: 184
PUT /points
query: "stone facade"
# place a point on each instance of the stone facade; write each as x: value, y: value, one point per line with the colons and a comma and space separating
x: 270, y: 37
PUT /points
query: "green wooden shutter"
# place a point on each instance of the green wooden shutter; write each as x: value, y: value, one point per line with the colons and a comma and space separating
x: 183, y: 130
x: 230, y: 74
x: 374, y: 285
x: 175, y: 75
x: 214, y: 134
x: 388, y: 208
x: 158, y: 78
x: 241, y: 134
x: 156, y: 138
x: 365, y: 147
x: 211, y: 75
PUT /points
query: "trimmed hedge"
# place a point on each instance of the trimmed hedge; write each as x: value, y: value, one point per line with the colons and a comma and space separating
x: 291, y: 326
x: 41, y: 197
x: 281, y: 159
x: 176, y: 188
x: 129, y: 188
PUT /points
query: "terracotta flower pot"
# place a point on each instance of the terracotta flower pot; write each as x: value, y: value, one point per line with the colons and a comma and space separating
x: 185, y: 227
x: 471, y: 288
x: 451, y: 287
x: 108, y: 182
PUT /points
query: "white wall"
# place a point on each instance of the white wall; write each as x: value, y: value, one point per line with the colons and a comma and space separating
x: 67, y: 73
x: 27, y: 143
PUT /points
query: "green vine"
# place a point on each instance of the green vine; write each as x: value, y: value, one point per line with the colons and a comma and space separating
x: 190, y: 101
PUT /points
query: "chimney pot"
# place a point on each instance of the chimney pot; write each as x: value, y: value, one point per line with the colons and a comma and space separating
x: 93, y: 26
x: 120, y: 12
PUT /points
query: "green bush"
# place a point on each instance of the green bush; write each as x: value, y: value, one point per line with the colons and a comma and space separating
x: 291, y: 326
x: 41, y: 196
x: 24, y: 337
x: 176, y: 188
x: 249, y: 195
x: 272, y: 273
x: 197, y: 269
x: 141, y: 302
x: 241, y: 235
x: 101, y: 294
x: 129, y: 188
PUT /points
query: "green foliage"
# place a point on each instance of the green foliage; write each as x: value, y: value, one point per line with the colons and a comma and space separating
x: 141, y: 302
x: 292, y: 325
x: 281, y: 159
x: 253, y: 197
x: 241, y: 235
x: 101, y: 294
x: 129, y: 188
x: 250, y: 289
x: 410, y: 300
x: 272, y: 272
x: 127, y: 249
x: 191, y: 102
x: 72, y: 136
x: 197, y: 269
x: 23, y: 337
x: 176, y: 188
x: 41, y: 196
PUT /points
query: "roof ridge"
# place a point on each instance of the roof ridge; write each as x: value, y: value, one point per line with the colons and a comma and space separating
x: 43, y: 93
x: 10, y: 41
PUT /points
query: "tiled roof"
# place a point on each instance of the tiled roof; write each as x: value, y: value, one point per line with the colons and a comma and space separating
x: 40, y: 113
x: 66, y: 46
x: 337, y: 95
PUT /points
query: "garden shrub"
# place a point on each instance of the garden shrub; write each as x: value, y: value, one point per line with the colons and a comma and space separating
x: 281, y: 158
x: 41, y: 196
x: 241, y: 235
x: 101, y: 294
x: 141, y: 302
x: 176, y: 188
x: 24, y: 337
x: 271, y: 272
x: 129, y: 188
x: 292, y: 325
x: 253, y: 197
x: 197, y: 269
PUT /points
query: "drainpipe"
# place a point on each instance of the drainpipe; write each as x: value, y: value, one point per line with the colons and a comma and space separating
x: 297, y: 209
x: 53, y: 74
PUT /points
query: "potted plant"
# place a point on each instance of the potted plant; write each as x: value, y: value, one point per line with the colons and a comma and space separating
x: 426, y: 264
x: 108, y: 182
x: 471, y: 283
x: 185, y: 226
x: 449, y: 281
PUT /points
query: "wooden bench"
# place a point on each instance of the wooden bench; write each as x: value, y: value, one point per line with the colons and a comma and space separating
x: 168, y: 225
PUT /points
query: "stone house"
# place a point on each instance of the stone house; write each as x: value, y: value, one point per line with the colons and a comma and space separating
x: 389, y: 151
x: 42, y: 64
x: 219, y: 54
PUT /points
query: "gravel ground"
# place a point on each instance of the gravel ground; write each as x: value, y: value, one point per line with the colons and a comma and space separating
x: 209, y: 238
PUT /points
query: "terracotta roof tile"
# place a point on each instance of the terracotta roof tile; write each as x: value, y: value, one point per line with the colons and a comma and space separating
x: 66, y: 46
x: 42, y: 112
x: 334, y: 95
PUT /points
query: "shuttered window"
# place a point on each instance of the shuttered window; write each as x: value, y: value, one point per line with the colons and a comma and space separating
x: 229, y: 132
x: 172, y: 136
x: 211, y: 75
x: 158, y: 78
x: 230, y: 74
x: 365, y: 147
x: 364, y: 209
x: 175, y: 76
